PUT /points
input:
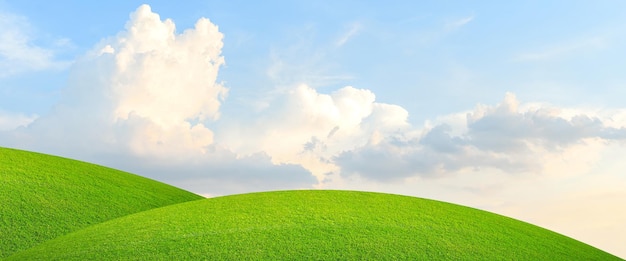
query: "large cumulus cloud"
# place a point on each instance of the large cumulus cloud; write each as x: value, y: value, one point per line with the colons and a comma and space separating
x: 305, y: 127
x: 147, y: 95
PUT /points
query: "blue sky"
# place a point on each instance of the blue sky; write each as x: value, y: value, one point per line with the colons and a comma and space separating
x: 515, y: 108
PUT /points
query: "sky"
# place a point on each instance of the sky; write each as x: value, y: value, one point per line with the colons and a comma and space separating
x: 511, y: 107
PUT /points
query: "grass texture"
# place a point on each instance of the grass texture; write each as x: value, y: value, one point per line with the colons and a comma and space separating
x: 43, y: 197
x: 313, y: 225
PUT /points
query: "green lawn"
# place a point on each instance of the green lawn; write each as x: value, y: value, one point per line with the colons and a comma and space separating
x: 43, y: 197
x: 314, y: 225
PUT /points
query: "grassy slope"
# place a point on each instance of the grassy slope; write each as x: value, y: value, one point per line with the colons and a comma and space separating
x: 43, y: 197
x: 318, y: 225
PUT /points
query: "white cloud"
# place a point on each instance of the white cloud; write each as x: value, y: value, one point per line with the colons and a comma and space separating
x: 502, y: 137
x: 18, y: 51
x: 453, y: 25
x: 153, y: 87
x: 301, y: 62
x: 353, y: 29
x: 302, y: 126
x: 11, y: 121
x: 148, y: 95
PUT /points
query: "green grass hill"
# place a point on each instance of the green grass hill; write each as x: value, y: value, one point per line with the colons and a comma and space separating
x: 43, y: 197
x: 314, y: 225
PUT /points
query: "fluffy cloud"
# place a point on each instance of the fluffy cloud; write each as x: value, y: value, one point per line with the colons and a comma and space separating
x: 148, y: 89
x: 148, y: 95
x: 18, y: 51
x: 505, y: 128
x: 158, y: 86
x: 302, y: 126
x: 499, y: 137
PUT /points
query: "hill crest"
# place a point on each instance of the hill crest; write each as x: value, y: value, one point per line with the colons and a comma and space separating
x: 45, y: 196
x: 315, y: 224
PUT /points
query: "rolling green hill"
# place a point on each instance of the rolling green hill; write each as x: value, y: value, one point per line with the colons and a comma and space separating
x: 314, y: 225
x: 43, y: 197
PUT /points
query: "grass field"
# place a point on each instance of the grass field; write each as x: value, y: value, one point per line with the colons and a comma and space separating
x: 43, y: 197
x: 314, y: 225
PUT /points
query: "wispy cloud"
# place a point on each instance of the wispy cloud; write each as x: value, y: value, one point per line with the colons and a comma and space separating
x: 563, y: 49
x: 431, y: 31
x: 455, y: 24
x: 300, y: 61
x: 353, y: 29
x: 18, y: 50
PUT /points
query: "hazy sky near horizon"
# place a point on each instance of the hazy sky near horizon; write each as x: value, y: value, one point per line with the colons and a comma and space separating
x: 516, y: 108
